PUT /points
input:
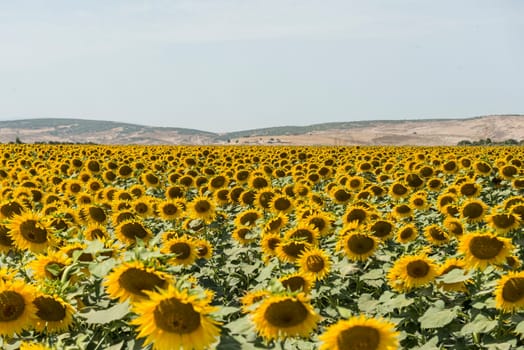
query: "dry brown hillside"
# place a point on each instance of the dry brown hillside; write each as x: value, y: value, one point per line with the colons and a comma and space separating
x: 405, y: 132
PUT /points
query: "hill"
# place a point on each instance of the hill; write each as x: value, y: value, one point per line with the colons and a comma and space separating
x: 379, y: 132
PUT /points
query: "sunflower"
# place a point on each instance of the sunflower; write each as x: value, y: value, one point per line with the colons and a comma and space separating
x: 49, y: 266
x: 31, y: 231
x: 469, y: 188
x: 176, y: 319
x: 203, y: 248
x: 251, y: 298
x: 436, y: 235
x: 503, y: 223
x: 6, y: 243
x: 400, y: 211
x: 398, y: 191
x: 128, y: 231
x: 17, y: 311
x: 275, y: 223
x: 357, y: 213
x: 95, y: 231
x: 453, y: 226
x: 322, y: 221
x: 450, y: 167
x: 202, y: 208
x: 362, y: 333
x: 263, y: 198
x: 296, y: 282
x: 53, y: 314
x: 131, y: 280
x: 93, y: 213
x: 183, y: 247
x: 283, y: 316
x: 170, y: 209
x: 10, y: 208
x: 481, y: 249
x: 444, y: 200
x: 281, y: 203
x: 357, y: 246
x: 411, y: 271
x: 449, y: 265
x: 269, y: 244
x: 407, y: 233
x: 248, y: 217
x: 221, y: 197
x: 143, y: 206
x: 340, y: 195
x: 290, y: 250
x: 302, y: 232
x: 518, y: 183
x: 382, y: 229
x: 315, y: 263
x: 434, y: 184
x: 473, y: 210
x: 507, y: 172
x: 244, y: 235
x: 509, y: 292
x: 482, y: 168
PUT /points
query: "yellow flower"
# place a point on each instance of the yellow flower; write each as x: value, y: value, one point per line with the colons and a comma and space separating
x: 296, y: 282
x: 284, y: 316
x: 53, y: 314
x: 473, y: 210
x: 411, y: 271
x: 357, y: 245
x: 131, y: 280
x: 31, y: 231
x: 128, y: 231
x: 202, y: 208
x: 17, y: 311
x: 183, y: 247
x: 483, y: 249
x: 407, y: 233
x: 314, y: 262
x: 509, y: 292
x: 176, y: 319
x: 362, y: 333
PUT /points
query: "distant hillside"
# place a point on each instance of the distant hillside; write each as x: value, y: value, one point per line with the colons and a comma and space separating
x: 377, y: 132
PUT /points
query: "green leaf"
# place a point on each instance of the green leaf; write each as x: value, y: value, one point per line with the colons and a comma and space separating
x: 481, y: 324
x: 430, y: 345
x: 435, y: 317
x: 455, y: 276
x: 398, y: 302
x: 366, y: 303
x: 101, y: 269
x: 373, y: 275
x: 344, y: 312
x: 241, y: 325
x: 520, y: 328
x: 117, y: 312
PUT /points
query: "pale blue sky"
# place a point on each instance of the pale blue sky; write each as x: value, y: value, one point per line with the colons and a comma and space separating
x: 226, y: 65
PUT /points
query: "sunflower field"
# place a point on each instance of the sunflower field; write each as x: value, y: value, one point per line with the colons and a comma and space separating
x: 261, y: 247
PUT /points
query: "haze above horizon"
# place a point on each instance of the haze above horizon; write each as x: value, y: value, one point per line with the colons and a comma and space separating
x: 229, y: 65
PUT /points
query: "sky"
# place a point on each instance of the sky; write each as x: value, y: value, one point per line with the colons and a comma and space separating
x: 229, y: 65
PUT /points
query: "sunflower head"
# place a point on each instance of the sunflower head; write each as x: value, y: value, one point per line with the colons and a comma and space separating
x: 481, y: 249
x: 176, y: 319
x: 53, y: 314
x: 32, y: 231
x: 360, y: 332
x: 509, y: 292
x: 283, y: 316
x: 410, y: 272
x: 315, y: 263
x: 131, y: 280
